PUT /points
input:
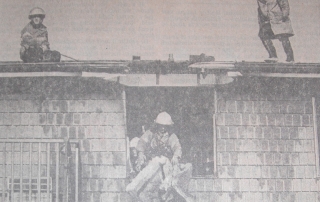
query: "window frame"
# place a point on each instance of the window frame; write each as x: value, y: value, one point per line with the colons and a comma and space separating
x: 316, y: 136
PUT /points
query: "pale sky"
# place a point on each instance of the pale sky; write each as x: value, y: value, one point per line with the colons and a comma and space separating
x: 152, y: 29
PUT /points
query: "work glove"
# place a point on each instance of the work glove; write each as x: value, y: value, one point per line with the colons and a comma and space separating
x: 44, y: 47
x: 140, y: 161
x: 175, y: 160
x: 285, y: 16
x: 22, y: 50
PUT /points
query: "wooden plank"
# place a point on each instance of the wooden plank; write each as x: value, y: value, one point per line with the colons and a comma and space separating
x: 39, y: 174
x: 4, y: 165
x: 77, y: 175
x: 48, y: 172
x: 214, y: 65
x: 164, y: 80
x: 138, y: 183
x: 36, y: 140
x: 101, y: 75
x: 39, y: 74
x: 12, y: 169
x: 170, y: 80
x: 21, y: 171
x: 57, y: 150
x: 30, y: 170
x: 274, y: 75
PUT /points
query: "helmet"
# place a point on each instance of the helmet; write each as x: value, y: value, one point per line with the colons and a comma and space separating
x: 37, y: 11
x: 134, y: 142
x: 164, y: 119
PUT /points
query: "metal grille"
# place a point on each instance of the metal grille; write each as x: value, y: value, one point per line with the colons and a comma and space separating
x: 39, y: 170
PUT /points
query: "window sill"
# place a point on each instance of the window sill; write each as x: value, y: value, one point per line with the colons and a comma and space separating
x: 204, y: 177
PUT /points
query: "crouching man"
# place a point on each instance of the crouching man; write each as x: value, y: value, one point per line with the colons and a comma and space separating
x: 162, y: 176
x: 34, y: 40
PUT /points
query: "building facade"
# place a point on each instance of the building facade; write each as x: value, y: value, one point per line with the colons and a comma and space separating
x: 251, y: 133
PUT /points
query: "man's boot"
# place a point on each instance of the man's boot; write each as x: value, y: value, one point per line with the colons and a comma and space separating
x: 287, y: 49
x: 271, y: 50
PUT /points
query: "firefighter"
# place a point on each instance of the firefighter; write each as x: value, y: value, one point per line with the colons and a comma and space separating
x: 159, y: 153
x: 34, y: 40
x: 274, y: 23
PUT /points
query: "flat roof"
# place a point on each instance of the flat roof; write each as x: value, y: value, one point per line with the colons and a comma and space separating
x: 161, y: 73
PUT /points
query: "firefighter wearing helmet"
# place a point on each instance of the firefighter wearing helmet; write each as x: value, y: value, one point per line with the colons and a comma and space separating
x: 159, y: 141
x: 159, y: 151
x: 34, y: 40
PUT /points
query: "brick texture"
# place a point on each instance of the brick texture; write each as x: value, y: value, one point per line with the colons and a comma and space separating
x: 265, y: 144
x: 99, y: 126
x: 265, y: 150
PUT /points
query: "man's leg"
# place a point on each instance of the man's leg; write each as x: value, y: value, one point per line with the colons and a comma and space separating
x: 287, y: 48
x: 267, y: 43
x: 51, y: 56
x: 33, y: 55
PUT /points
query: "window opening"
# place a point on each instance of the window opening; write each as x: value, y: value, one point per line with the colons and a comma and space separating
x: 192, y: 111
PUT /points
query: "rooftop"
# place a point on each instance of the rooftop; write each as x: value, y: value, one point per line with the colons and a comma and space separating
x: 161, y: 73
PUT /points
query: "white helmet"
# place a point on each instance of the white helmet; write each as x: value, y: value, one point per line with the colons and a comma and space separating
x: 37, y: 11
x: 164, y: 119
x: 134, y: 142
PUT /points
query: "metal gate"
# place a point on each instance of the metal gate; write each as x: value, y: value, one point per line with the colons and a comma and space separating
x: 34, y: 170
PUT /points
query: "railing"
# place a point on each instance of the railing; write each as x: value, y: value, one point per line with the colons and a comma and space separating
x: 35, y: 170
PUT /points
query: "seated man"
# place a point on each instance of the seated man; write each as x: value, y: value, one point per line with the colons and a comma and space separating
x: 34, y: 40
x: 162, y: 176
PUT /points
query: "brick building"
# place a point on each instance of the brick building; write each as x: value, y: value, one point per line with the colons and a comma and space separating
x: 250, y: 129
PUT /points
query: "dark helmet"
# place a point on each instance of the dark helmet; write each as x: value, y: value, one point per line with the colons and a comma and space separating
x: 37, y: 11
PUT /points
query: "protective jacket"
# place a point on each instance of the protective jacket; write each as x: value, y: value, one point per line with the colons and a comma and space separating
x: 152, y: 145
x: 275, y: 12
x: 34, y: 37
x: 159, y: 173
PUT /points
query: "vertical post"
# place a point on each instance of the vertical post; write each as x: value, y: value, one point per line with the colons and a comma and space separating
x: 21, y: 170
x: 215, y: 132
x: 315, y: 132
x: 198, y: 78
x: 48, y: 172
x: 77, y: 174
x: 30, y: 170
x: 12, y: 169
x: 66, y: 171
x: 39, y: 173
x: 4, y: 172
x: 57, y: 171
x: 157, y: 78
x: 124, y: 100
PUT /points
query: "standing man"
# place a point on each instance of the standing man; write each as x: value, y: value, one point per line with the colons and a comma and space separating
x: 275, y: 23
x: 162, y: 176
x: 34, y: 40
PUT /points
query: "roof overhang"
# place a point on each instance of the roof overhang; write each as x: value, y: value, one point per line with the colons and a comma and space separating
x: 161, y: 73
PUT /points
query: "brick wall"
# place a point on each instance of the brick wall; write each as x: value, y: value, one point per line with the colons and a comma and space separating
x: 265, y: 137
x: 91, y: 111
x: 265, y: 148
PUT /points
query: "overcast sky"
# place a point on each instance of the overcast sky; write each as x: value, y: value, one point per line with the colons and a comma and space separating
x: 118, y: 29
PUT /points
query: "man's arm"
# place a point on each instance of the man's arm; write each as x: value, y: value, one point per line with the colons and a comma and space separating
x: 176, y: 149
x: 44, y: 41
x: 27, y: 40
x: 141, y: 147
x: 285, y: 8
x: 262, y: 13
